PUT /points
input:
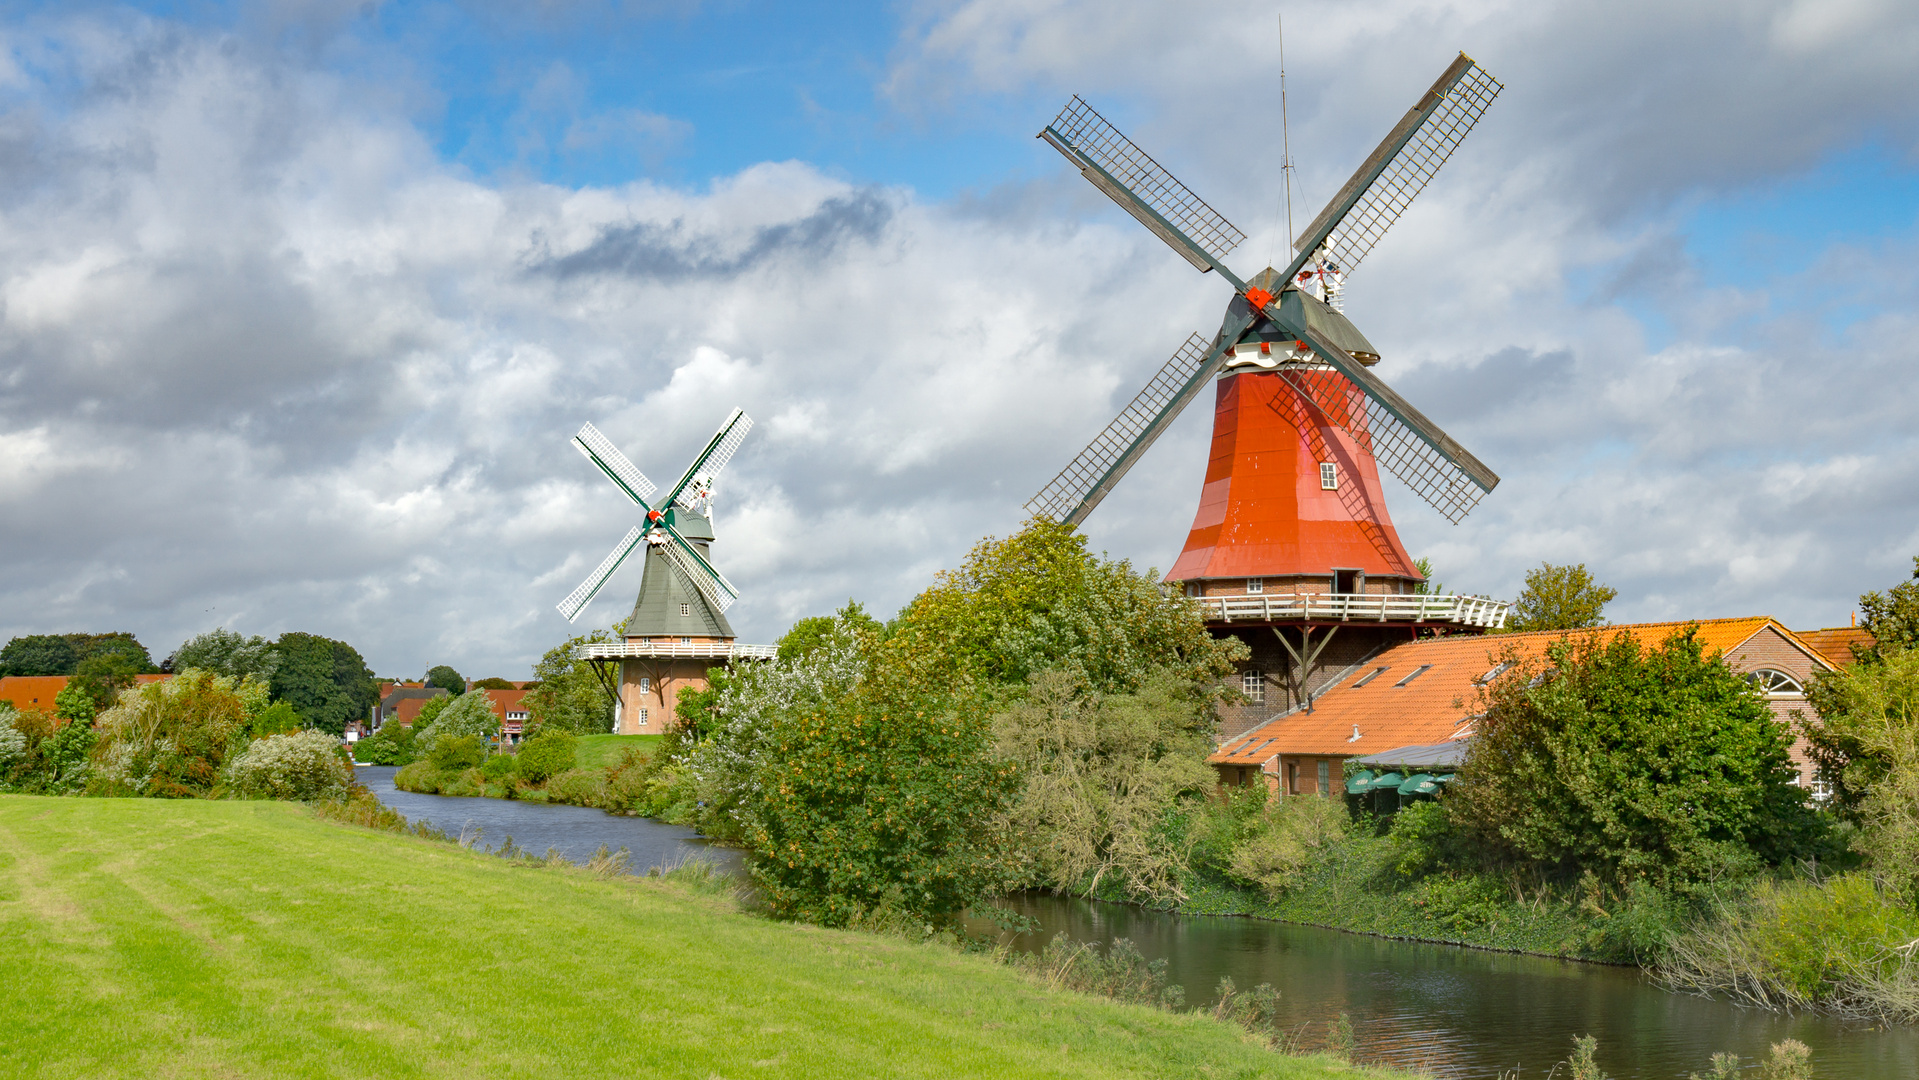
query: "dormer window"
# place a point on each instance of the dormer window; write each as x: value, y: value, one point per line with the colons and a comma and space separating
x: 1255, y: 585
x: 1328, y: 476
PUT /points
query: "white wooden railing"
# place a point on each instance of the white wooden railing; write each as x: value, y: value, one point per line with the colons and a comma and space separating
x: 674, y: 650
x: 1356, y: 607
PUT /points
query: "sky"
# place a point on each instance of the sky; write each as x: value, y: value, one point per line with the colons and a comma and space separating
x: 302, y: 300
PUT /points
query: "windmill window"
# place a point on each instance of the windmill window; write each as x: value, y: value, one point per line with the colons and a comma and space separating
x: 642, y: 717
x: 1369, y: 677
x: 686, y: 609
x: 1254, y: 685
x: 646, y: 684
x: 1328, y: 476
x: 1255, y: 585
x: 1775, y: 682
x: 1417, y: 672
x: 686, y: 641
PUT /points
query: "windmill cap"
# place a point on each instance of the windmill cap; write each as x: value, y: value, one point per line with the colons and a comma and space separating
x: 693, y: 526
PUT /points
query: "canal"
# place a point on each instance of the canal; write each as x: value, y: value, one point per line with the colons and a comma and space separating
x: 1445, y: 1010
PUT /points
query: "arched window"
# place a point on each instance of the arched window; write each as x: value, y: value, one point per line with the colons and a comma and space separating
x: 1775, y: 683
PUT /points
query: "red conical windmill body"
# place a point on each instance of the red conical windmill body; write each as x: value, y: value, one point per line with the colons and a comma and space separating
x: 1292, y: 537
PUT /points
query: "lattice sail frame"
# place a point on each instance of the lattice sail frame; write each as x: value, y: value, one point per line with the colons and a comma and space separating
x: 1443, y: 484
x: 625, y: 475
x: 577, y: 600
x: 1464, y: 93
x: 1080, y: 486
x: 695, y: 490
x: 697, y: 571
x: 1079, y: 130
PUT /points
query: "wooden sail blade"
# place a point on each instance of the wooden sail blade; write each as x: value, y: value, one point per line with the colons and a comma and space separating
x: 577, y: 600
x: 1082, y: 484
x: 625, y: 475
x: 1130, y: 177
x: 1405, y: 161
x: 696, y: 484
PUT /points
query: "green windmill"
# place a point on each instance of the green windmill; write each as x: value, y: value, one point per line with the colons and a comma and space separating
x: 679, y: 589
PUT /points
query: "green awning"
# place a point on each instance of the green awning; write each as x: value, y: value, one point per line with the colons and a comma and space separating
x: 1356, y: 783
x: 1419, y: 784
x: 1384, y: 781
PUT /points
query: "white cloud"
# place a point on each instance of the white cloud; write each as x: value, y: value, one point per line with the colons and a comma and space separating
x: 266, y: 361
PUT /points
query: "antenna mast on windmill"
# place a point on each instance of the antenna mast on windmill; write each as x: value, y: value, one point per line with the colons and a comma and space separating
x: 1292, y: 531
x: 678, y: 628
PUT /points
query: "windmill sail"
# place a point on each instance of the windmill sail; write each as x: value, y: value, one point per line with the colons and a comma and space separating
x: 1130, y: 177
x: 577, y: 600
x: 1398, y: 436
x: 1082, y: 484
x: 698, y: 572
x: 600, y: 451
x: 1401, y: 166
x: 696, y: 484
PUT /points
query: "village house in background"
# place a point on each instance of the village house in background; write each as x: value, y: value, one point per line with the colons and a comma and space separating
x: 1408, y: 709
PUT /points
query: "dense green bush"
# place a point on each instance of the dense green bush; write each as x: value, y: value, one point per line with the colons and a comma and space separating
x: 305, y: 766
x: 393, y: 744
x: 452, y: 753
x: 546, y: 755
x: 1625, y: 761
x: 170, y: 739
x: 421, y: 777
x: 500, y: 768
x: 466, y: 715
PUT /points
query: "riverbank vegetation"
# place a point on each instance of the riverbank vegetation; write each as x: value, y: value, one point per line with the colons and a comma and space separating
x: 253, y: 939
x: 1040, y: 717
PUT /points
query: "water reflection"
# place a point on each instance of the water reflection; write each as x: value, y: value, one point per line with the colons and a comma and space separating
x: 1464, y: 1012
x: 574, y: 831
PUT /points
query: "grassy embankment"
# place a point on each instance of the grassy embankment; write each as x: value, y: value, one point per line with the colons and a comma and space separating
x: 600, y: 751
x: 157, y: 938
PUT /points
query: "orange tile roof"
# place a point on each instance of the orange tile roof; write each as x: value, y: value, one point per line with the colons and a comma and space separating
x: 505, y: 701
x: 1388, y: 712
x: 1835, y: 643
x: 38, y: 691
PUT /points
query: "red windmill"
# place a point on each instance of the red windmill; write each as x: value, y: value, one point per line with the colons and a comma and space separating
x: 1292, y: 530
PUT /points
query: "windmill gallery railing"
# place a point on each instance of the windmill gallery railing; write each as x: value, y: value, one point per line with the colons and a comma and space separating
x: 674, y: 650
x: 1356, y: 607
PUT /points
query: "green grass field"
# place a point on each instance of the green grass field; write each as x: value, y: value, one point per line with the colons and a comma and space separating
x: 599, y: 751
x: 149, y: 938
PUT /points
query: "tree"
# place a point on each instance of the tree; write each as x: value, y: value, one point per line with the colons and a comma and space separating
x: 1837, y: 732
x: 809, y: 634
x: 103, y: 675
x: 1627, y: 762
x: 468, y: 714
x: 1560, y: 598
x: 1872, y: 711
x: 1097, y: 774
x: 447, y: 679
x: 39, y: 654
x: 1428, y: 587
x: 1038, y: 600
x: 569, y: 696
x: 169, y: 739
x: 326, y: 680
x: 225, y: 652
x: 492, y: 684
x: 62, y: 654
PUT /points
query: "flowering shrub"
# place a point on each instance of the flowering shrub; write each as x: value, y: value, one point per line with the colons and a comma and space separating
x: 169, y: 739
x: 306, y: 765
